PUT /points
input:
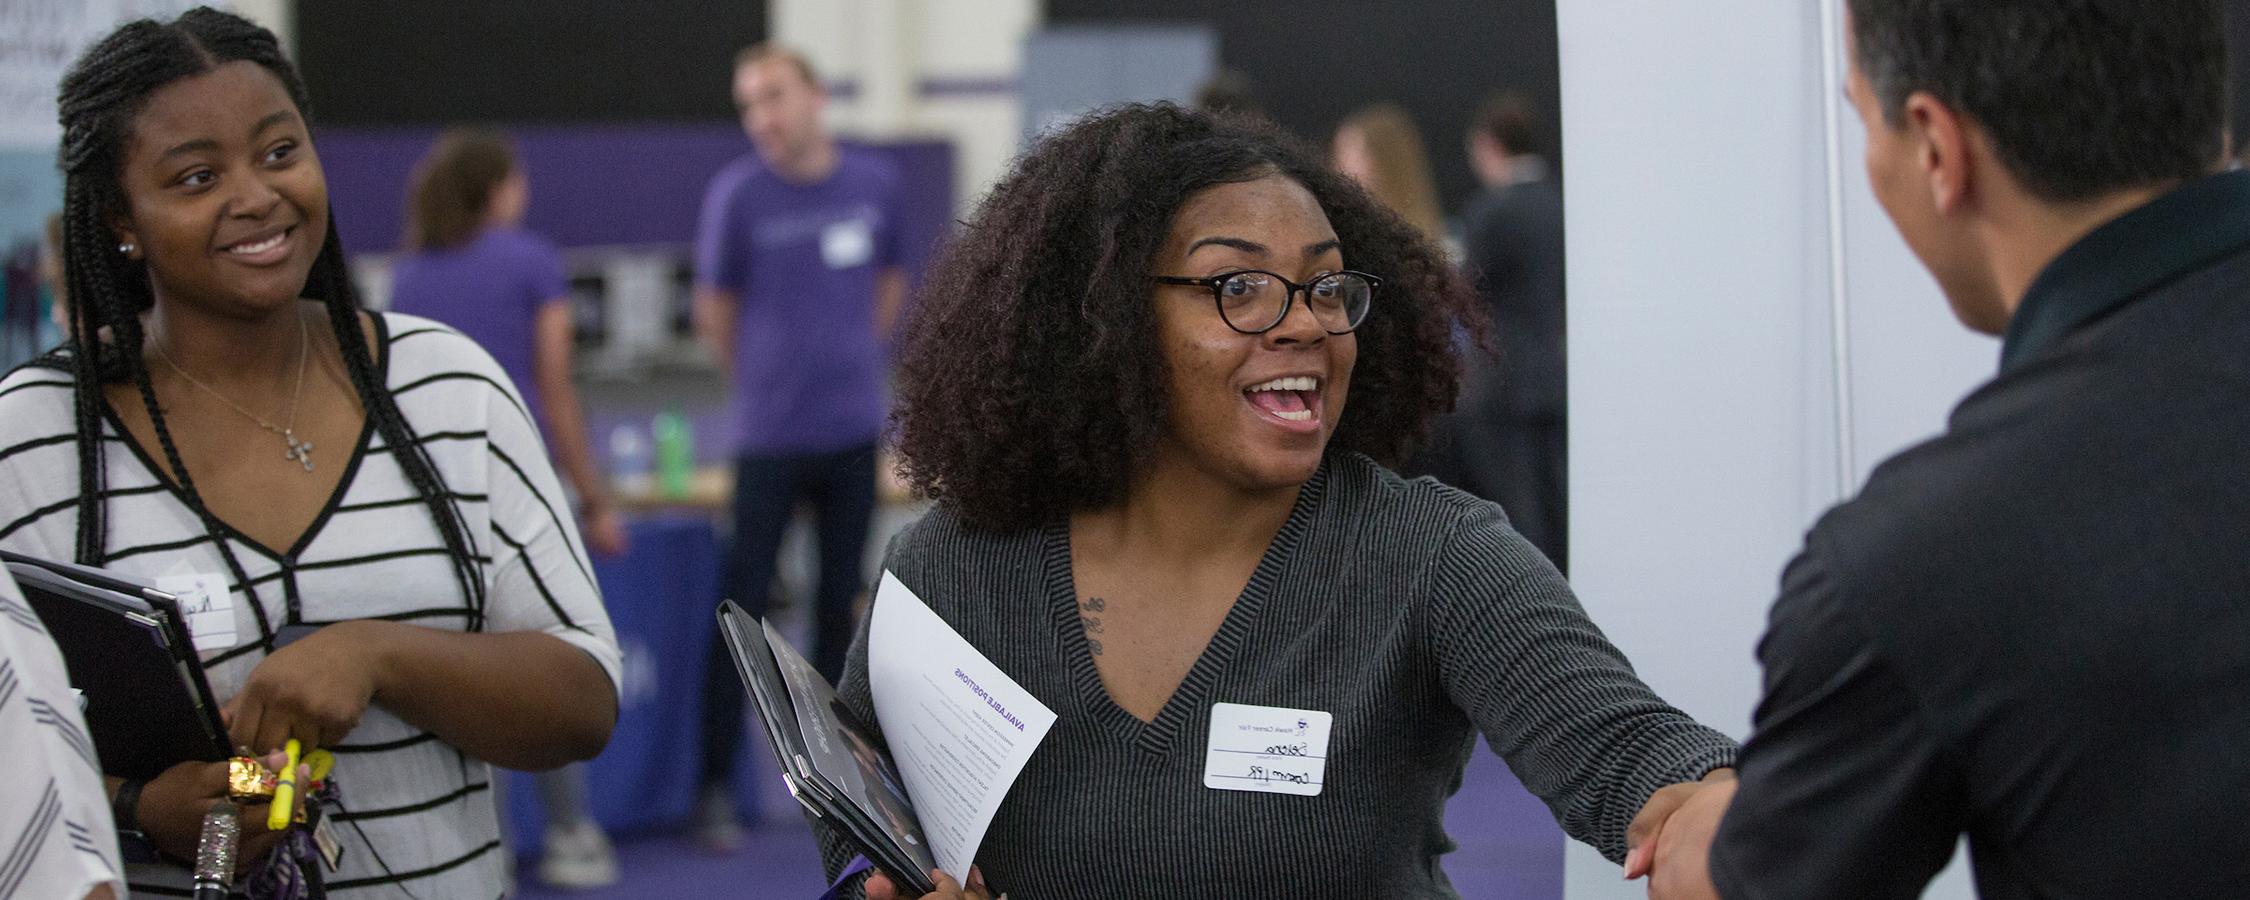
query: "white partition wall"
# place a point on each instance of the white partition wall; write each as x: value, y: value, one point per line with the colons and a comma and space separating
x: 919, y: 68
x: 1740, y: 357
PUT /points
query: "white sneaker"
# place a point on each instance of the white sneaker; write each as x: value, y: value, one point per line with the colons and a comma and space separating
x: 716, y: 828
x: 578, y: 857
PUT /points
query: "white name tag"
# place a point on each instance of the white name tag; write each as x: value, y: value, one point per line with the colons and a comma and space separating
x: 847, y: 245
x: 1269, y: 749
x: 331, y: 852
x: 208, y: 606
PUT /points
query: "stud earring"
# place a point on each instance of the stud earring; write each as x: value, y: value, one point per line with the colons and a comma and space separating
x: 127, y: 248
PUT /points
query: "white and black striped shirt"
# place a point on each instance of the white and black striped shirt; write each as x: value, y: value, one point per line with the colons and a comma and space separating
x: 419, y: 811
x: 56, y: 839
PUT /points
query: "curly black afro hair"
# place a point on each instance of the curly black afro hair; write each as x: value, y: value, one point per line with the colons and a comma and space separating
x: 1030, y: 382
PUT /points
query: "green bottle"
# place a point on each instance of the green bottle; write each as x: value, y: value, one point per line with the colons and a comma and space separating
x: 675, y: 453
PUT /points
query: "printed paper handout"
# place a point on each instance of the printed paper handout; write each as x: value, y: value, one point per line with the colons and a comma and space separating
x: 958, y: 732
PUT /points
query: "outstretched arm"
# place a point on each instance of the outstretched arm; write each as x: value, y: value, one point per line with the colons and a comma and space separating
x: 1519, y: 655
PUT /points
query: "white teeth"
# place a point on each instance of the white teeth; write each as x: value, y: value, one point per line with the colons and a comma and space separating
x: 259, y: 247
x: 1299, y: 383
x: 1302, y: 415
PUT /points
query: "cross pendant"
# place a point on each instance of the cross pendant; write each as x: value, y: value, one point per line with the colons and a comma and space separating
x: 299, y: 451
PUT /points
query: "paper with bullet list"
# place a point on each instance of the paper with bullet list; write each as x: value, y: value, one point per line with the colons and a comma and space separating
x: 959, y: 728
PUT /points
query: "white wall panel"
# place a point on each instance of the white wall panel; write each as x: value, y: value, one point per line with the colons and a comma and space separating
x: 957, y: 62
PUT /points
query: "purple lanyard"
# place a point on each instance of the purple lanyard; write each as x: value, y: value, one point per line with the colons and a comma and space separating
x: 836, y: 888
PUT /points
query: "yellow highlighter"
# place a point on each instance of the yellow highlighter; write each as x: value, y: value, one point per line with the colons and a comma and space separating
x: 285, y: 788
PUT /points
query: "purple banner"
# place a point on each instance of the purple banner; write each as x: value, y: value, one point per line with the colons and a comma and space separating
x: 594, y: 185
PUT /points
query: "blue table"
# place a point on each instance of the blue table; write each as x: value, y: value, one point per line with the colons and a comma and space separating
x: 662, y: 597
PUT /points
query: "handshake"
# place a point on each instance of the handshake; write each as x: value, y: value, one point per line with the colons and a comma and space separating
x: 1669, y: 842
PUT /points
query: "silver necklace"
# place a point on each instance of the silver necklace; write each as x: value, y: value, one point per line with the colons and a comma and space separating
x: 300, y: 452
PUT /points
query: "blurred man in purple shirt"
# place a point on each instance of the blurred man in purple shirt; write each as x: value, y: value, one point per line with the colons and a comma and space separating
x: 797, y: 286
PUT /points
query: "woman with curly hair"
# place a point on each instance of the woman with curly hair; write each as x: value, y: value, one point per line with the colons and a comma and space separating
x: 1153, y: 388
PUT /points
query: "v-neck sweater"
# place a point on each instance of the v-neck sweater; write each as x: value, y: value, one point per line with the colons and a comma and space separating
x: 1408, y: 610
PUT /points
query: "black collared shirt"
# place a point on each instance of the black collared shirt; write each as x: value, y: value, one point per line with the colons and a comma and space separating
x: 2130, y: 258
x: 2034, y: 630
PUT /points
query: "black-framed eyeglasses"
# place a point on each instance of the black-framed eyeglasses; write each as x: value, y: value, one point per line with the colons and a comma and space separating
x: 1254, y: 301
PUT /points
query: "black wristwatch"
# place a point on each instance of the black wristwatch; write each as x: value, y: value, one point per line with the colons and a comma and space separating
x: 133, y: 844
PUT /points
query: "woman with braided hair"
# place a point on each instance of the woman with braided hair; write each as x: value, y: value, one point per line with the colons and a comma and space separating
x: 379, y: 544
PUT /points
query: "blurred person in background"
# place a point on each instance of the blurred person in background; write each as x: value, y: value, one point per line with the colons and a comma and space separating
x: 1506, y: 441
x: 31, y: 321
x: 469, y: 263
x: 1379, y: 147
x: 1229, y: 91
x: 798, y: 283
x: 51, y: 273
x: 25, y: 331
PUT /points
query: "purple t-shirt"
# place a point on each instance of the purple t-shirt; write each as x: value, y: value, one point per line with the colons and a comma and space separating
x: 490, y: 288
x: 802, y: 259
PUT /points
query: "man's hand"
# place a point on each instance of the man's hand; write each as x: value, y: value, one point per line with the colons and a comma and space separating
x: 1646, y: 835
x: 1675, y: 850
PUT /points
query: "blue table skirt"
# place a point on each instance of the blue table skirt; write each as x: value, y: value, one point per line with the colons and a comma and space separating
x: 662, y: 597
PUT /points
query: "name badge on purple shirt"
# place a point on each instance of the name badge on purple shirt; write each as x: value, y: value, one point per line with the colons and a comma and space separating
x: 847, y: 245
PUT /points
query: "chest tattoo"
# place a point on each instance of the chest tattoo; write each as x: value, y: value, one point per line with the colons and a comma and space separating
x: 1090, y: 617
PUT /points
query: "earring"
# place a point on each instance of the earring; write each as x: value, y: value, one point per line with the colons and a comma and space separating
x: 127, y: 248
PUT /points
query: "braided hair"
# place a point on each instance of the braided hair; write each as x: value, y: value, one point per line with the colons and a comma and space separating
x: 103, y: 92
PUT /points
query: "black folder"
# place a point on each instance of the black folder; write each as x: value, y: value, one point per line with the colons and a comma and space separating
x: 862, y: 800
x: 127, y: 647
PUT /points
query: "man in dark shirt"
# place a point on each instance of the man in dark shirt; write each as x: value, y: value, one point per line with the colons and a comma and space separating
x: 2034, y: 629
x: 1505, y: 440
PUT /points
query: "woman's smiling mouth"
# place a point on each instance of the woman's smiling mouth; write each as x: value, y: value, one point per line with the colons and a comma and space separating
x: 1292, y: 400
x: 270, y: 249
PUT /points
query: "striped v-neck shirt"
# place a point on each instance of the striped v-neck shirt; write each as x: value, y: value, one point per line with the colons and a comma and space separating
x: 419, y: 811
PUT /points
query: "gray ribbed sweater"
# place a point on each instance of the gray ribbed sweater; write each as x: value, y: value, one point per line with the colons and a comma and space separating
x: 1409, y: 610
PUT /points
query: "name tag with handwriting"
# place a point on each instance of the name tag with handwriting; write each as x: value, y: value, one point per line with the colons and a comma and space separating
x: 1268, y: 749
x: 206, y: 603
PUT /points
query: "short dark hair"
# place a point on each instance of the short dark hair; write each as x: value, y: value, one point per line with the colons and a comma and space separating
x: 2080, y: 97
x: 1510, y: 118
x: 1030, y: 381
